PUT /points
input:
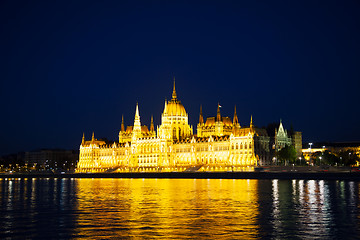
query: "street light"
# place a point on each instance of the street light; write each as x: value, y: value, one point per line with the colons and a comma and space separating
x: 349, y: 157
x: 310, y: 144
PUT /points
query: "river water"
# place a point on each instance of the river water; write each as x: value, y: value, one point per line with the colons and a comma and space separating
x: 178, y: 209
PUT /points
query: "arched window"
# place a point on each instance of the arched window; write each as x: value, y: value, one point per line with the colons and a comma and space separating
x: 179, y: 133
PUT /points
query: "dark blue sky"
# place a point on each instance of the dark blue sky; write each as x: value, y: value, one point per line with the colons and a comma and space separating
x: 68, y: 67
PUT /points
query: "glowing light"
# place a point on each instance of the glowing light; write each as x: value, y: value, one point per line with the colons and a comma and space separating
x: 173, y: 147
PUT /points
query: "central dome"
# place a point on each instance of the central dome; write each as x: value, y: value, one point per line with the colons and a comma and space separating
x: 174, y: 106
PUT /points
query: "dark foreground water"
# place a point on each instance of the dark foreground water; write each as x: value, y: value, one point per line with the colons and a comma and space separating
x: 178, y: 208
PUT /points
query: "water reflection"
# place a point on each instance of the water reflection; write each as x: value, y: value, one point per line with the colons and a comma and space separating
x: 178, y: 208
x: 174, y: 208
x: 309, y: 209
x: 37, y: 208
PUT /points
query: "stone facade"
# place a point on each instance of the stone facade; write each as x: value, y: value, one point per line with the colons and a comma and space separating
x: 220, y: 145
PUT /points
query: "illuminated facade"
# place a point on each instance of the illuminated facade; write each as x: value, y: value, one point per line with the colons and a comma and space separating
x: 220, y: 145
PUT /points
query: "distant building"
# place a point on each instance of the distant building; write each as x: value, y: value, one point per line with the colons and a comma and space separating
x: 221, y: 144
x: 343, y: 146
x: 280, y: 137
x: 52, y: 158
x: 11, y: 160
x: 332, y: 147
x: 296, y: 141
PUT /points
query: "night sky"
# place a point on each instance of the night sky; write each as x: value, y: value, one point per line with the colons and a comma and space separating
x: 78, y: 66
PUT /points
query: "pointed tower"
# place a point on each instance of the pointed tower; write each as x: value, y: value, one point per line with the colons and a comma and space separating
x: 83, y: 139
x: 281, y: 131
x: 165, y: 108
x: 122, y: 133
x: 281, y: 137
x: 200, y: 125
x: 236, y: 124
x: 251, y: 122
x: 152, y: 128
x: 219, y: 124
x: 137, y: 124
x: 201, y: 118
x: 174, y: 97
x: 122, y: 124
x: 152, y: 124
x: 235, y: 120
x: 218, y: 115
x: 93, y: 138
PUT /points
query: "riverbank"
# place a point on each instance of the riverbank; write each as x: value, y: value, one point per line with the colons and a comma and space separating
x: 349, y: 176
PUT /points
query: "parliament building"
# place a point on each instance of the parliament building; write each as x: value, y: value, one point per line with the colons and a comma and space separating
x: 221, y: 144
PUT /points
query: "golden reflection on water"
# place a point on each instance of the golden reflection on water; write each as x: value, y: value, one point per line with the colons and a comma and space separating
x: 167, y: 208
x: 178, y: 209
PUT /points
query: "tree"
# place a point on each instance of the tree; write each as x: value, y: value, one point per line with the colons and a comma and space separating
x: 329, y: 158
x: 287, y: 154
x: 348, y: 158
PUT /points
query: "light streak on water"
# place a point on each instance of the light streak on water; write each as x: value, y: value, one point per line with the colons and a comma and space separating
x: 178, y: 209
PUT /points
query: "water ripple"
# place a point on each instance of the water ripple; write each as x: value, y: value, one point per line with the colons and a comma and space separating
x: 178, y: 209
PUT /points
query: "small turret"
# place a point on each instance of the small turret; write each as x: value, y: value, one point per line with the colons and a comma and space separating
x: 152, y: 129
x: 235, y: 120
x: 251, y: 122
x: 122, y: 124
x: 174, y: 97
x: 93, y: 137
x: 201, y: 118
x: 83, y: 139
x: 165, y: 108
x: 218, y: 115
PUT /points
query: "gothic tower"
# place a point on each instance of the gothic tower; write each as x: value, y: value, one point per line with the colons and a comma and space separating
x: 136, y: 133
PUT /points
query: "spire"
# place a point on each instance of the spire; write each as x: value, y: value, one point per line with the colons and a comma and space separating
x: 218, y: 115
x: 281, y: 125
x: 137, y: 110
x: 83, y: 139
x: 152, y: 124
x: 137, y: 123
x: 93, y: 137
x: 174, y: 97
x: 281, y: 128
x: 122, y: 124
x: 165, y: 107
x: 201, y: 119
x: 235, y: 121
x: 251, y: 122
